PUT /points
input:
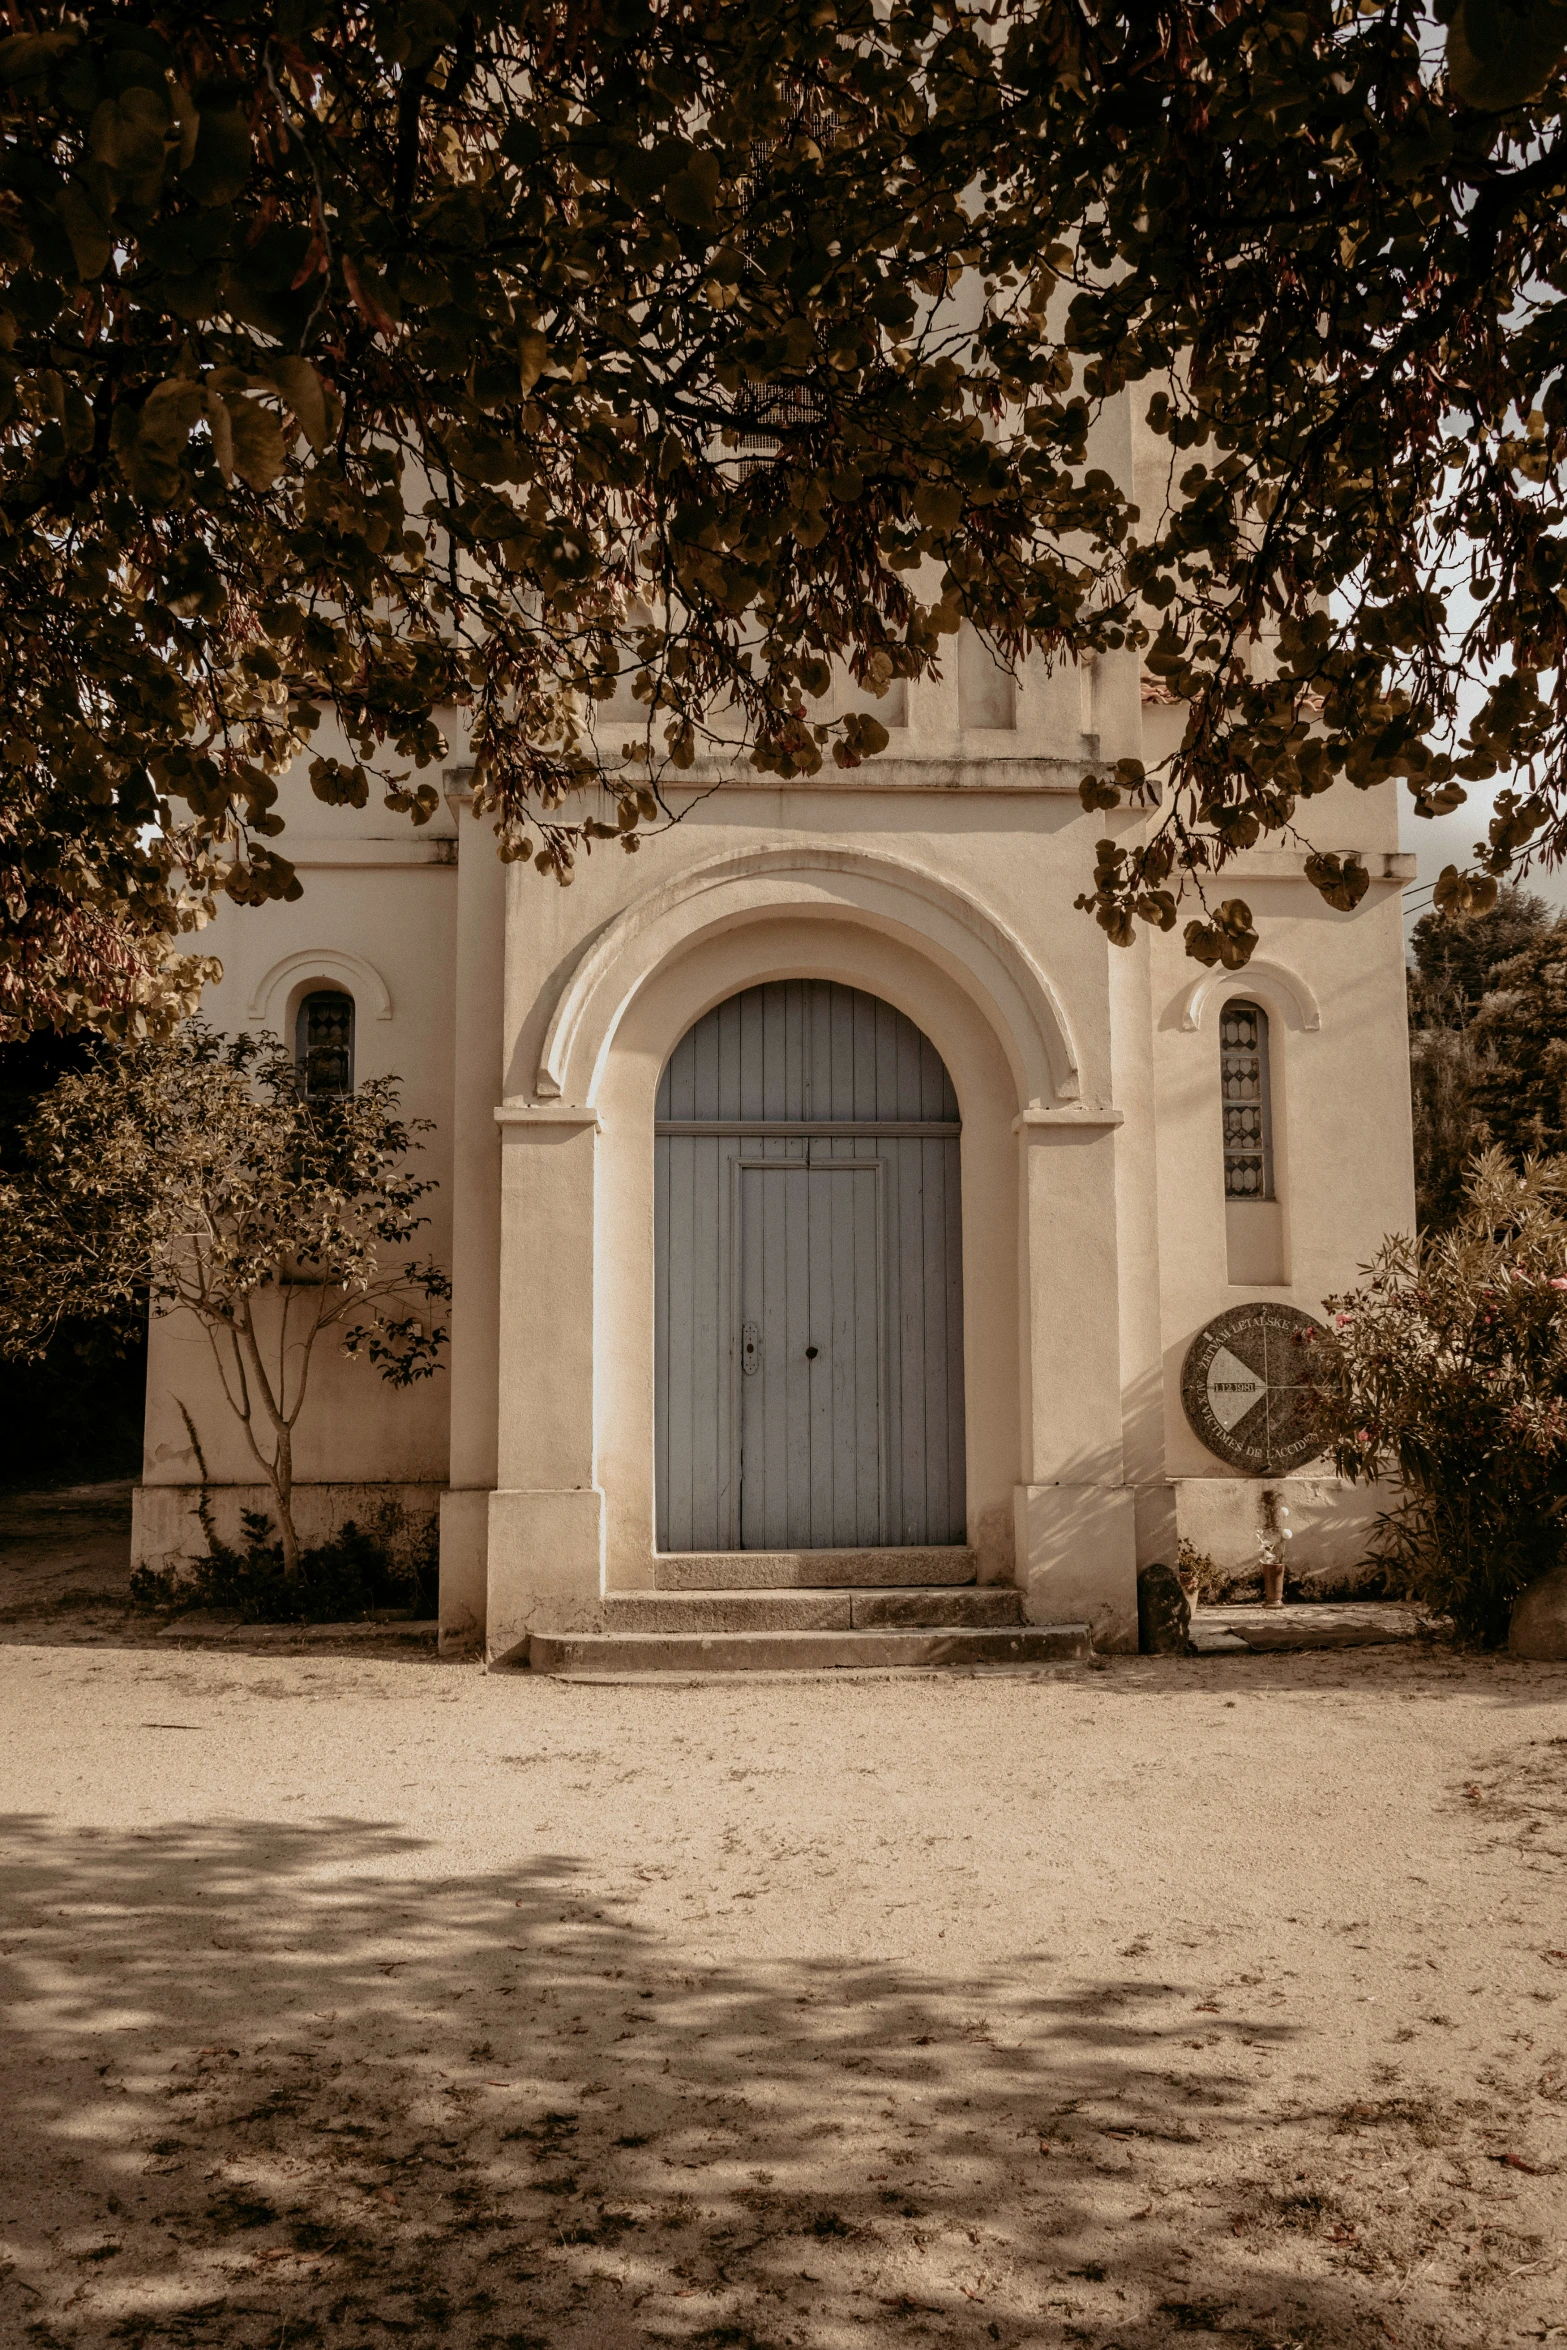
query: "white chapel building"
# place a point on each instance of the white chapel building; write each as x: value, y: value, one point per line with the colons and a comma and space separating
x: 832, y: 1210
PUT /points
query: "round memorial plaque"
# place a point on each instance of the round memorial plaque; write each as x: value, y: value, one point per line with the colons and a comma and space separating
x: 1246, y: 1385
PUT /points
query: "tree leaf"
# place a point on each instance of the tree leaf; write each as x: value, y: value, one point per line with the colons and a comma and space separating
x: 221, y: 163
x: 257, y: 434
x: 300, y: 385
x: 222, y: 430
x: 1501, y: 53
x: 532, y: 354
x: 92, y: 240
x: 692, y: 195
x: 27, y: 58
x: 167, y: 416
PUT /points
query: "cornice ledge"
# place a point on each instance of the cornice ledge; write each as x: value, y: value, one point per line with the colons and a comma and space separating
x: 1079, y: 1114
x: 1382, y: 865
x: 546, y: 1114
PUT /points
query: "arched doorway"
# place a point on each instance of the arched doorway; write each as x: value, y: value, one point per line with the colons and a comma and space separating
x: 809, y: 1279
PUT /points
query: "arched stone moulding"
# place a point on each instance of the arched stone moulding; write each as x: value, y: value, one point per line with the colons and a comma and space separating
x: 879, y: 891
x: 1277, y: 989
x: 362, y: 980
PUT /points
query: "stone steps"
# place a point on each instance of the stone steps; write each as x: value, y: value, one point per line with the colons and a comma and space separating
x: 811, y: 1611
x: 597, y: 1653
x: 812, y: 1570
x: 949, y: 1607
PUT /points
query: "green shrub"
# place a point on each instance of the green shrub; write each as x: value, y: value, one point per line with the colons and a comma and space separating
x: 360, y: 1571
x: 1212, y: 1582
x: 1449, y: 1367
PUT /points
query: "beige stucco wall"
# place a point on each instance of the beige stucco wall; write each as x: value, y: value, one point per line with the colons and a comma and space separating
x: 377, y: 918
x: 1332, y: 985
x: 532, y: 1022
x: 1110, y: 1208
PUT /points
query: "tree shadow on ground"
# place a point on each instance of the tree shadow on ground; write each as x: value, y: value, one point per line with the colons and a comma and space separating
x: 268, y: 2089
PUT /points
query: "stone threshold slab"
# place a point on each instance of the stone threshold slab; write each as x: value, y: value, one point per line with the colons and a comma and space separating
x: 1308, y: 1624
x: 813, y: 1570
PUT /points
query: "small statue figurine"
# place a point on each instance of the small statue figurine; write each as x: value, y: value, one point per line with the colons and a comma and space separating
x: 1270, y: 1548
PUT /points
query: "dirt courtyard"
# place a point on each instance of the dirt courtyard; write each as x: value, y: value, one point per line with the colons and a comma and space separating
x: 361, y: 1999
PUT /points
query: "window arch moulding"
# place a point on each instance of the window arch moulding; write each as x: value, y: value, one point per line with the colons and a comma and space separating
x: 1276, y: 988
x: 359, y: 978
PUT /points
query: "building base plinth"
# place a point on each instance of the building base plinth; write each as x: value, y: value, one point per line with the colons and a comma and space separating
x: 167, y: 1532
x: 1077, y: 1560
x: 545, y: 1567
x: 465, y: 1547
x: 1328, y: 1521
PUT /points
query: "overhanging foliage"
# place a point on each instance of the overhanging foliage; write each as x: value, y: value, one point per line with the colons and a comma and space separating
x: 380, y: 362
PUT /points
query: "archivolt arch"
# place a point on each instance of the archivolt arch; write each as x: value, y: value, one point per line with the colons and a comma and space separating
x: 269, y: 997
x: 874, y: 889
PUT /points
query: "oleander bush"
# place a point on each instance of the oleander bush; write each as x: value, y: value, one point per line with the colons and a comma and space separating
x: 1448, y: 1369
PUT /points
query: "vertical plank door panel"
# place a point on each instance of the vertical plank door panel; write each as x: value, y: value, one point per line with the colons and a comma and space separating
x: 848, y: 1240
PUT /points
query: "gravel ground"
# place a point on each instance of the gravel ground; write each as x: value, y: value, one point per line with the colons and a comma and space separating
x: 361, y: 1999
x: 65, y: 1564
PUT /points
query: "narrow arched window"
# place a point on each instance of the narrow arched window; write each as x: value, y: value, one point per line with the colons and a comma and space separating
x: 324, y: 1044
x: 1248, y: 1115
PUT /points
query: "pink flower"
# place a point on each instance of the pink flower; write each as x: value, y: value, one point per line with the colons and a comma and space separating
x: 1556, y: 1282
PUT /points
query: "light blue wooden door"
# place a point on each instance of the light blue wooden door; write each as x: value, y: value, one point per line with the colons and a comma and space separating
x: 811, y: 1344
x: 808, y: 1195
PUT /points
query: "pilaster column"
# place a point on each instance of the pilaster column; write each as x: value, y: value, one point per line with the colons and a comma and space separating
x: 477, y: 1064
x: 1076, y: 1529
x: 546, y: 1516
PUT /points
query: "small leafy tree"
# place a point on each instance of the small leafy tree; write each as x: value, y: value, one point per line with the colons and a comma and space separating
x: 1520, y: 1032
x: 195, y: 1170
x: 1448, y: 1129
x: 1449, y: 1366
x: 1487, y: 1046
x: 1454, y: 1034
x: 1457, y: 956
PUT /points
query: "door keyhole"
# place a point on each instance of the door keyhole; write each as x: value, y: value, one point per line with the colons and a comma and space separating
x: 810, y: 1354
x: 750, y: 1349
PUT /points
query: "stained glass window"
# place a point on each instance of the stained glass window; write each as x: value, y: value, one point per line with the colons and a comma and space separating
x: 1243, y: 1084
x: 324, y: 1044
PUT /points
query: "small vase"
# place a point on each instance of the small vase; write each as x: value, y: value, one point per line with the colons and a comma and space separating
x: 1273, y: 1582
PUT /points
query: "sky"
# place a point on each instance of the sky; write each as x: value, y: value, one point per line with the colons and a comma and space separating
x: 1450, y: 840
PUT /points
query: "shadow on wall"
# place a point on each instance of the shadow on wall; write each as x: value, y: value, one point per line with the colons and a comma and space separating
x: 1331, y: 1523
x: 267, y: 2090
